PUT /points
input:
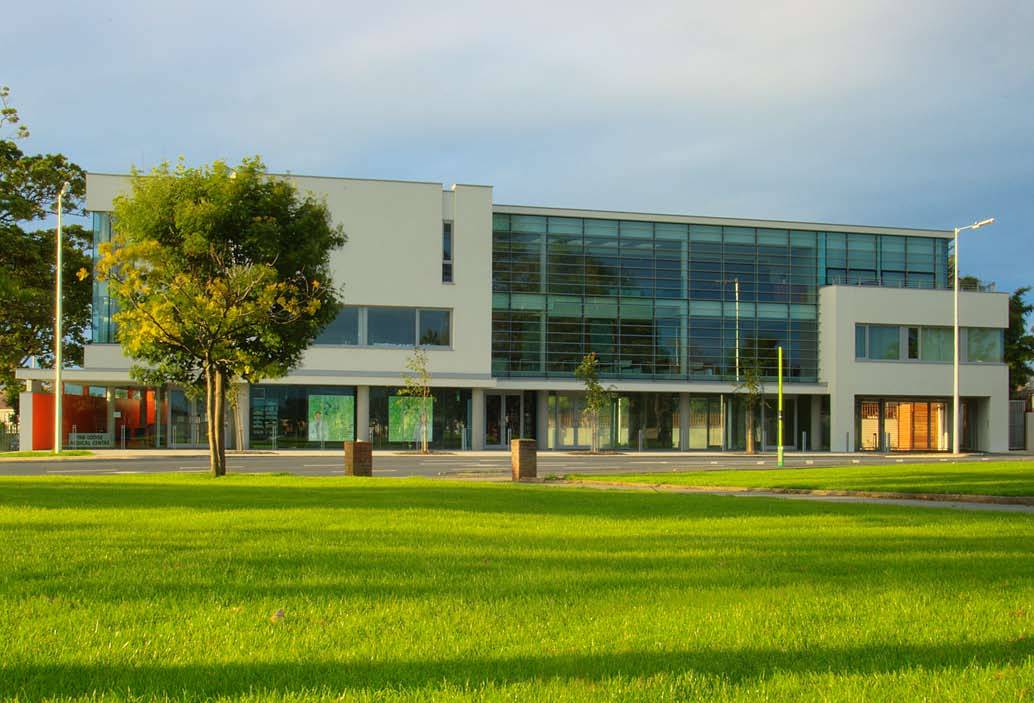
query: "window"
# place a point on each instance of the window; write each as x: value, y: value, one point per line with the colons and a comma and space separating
x: 983, y: 344
x: 344, y: 329
x: 913, y: 342
x: 936, y: 344
x: 860, y: 351
x: 391, y: 326
x: 434, y: 328
x: 884, y: 342
x: 446, y: 252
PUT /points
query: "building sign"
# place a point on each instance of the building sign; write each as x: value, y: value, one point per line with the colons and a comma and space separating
x: 82, y: 440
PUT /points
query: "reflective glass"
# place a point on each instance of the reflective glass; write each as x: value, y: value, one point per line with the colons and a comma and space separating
x: 434, y: 328
x: 344, y: 329
x: 391, y: 326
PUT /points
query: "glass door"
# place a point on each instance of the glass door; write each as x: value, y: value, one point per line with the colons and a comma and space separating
x: 503, y: 412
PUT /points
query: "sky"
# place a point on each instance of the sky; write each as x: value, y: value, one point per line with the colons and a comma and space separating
x: 911, y: 114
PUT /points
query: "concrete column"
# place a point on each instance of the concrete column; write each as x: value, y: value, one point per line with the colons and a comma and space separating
x: 477, y: 419
x: 109, y: 396
x: 815, y: 429
x: 841, y: 423
x: 25, y: 421
x: 542, y: 418
x: 683, y: 421
x: 244, y: 413
x: 362, y: 413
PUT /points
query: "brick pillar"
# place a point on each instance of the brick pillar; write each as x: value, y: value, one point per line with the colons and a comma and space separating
x: 358, y: 458
x: 523, y: 458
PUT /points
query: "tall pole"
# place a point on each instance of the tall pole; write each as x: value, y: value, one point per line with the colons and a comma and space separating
x: 58, y: 336
x: 736, y: 284
x: 779, y: 446
x: 955, y: 419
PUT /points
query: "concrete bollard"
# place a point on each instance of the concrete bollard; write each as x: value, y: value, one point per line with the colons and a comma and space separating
x: 523, y: 458
x: 358, y: 458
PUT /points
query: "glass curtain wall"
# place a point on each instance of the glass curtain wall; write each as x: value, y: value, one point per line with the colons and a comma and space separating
x: 394, y: 419
x: 287, y: 416
x: 652, y: 299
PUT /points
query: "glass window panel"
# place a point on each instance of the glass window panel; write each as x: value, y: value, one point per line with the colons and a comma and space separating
x: 913, y: 342
x: 772, y: 237
x: 528, y: 223
x: 344, y: 329
x: 983, y: 344
x: 602, y: 228
x: 434, y: 328
x: 565, y: 225
x: 705, y: 233
x: 936, y: 344
x: 803, y: 312
x: 391, y: 326
x: 739, y: 235
x: 884, y: 342
x: 676, y: 232
x: 525, y: 301
x: 861, y: 251
x: 859, y: 341
x: 501, y: 223
x: 637, y: 230
x: 920, y: 254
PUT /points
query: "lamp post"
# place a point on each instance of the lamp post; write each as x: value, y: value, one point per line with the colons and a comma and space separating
x: 956, y: 418
x: 58, y: 336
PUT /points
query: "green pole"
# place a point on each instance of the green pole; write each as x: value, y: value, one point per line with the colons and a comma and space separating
x: 780, y: 445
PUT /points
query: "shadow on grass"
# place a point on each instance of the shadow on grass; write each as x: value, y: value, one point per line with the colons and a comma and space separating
x: 731, y: 665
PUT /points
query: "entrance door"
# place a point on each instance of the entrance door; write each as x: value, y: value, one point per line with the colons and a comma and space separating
x: 503, y: 413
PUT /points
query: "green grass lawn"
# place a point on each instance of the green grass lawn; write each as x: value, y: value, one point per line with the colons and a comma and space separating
x: 1003, y: 478
x: 162, y: 587
x: 45, y: 453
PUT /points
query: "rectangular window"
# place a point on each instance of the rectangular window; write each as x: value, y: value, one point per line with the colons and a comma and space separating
x: 983, y: 344
x: 884, y: 342
x: 913, y: 342
x: 391, y: 326
x: 434, y: 328
x: 860, y: 351
x: 446, y: 252
x: 936, y: 344
x: 344, y: 329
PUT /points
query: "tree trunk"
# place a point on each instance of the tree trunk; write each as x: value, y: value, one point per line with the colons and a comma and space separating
x: 219, y: 421
x: 213, y: 409
x: 750, y: 429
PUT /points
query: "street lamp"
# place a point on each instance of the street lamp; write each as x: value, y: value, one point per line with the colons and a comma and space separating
x: 57, y: 327
x: 956, y: 417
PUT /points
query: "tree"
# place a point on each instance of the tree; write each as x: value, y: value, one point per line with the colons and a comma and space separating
x: 218, y: 273
x: 597, y: 397
x: 417, y: 384
x: 752, y: 388
x: 1019, y: 342
x: 28, y: 191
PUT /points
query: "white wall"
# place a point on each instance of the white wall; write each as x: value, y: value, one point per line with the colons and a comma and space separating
x: 841, y: 307
x: 393, y: 257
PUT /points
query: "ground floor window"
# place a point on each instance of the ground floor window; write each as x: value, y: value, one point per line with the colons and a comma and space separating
x: 903, y: 425
x: 651, y: 419
x: 395, y: 424
x: 314, y: 417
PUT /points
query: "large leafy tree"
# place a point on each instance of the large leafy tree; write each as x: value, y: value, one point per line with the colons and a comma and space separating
x: 1019, y: 340
x: 219, y: 273
x: 28, y: 192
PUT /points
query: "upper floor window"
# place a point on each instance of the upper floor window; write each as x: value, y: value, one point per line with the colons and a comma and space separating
x: 896, y: 343
x: 389, y: 327
x: 446, y: 252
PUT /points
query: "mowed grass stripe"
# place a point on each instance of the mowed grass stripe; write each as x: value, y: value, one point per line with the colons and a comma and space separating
x: 148, y: 587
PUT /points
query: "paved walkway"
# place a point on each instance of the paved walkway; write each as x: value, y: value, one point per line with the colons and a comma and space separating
x: 979, y: 503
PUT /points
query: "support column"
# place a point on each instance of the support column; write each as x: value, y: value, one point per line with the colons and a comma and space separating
x: 842, y: 422
x: 25, y: 420
x: 362, y: 413
x: 815, y: 431
x: 542, y: 418
x: 244, y: 412
x: 477, y: 419
x: 109, y: 396
x: 683, y: 421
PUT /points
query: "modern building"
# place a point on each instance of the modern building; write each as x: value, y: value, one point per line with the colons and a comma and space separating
x: 506, y: 299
